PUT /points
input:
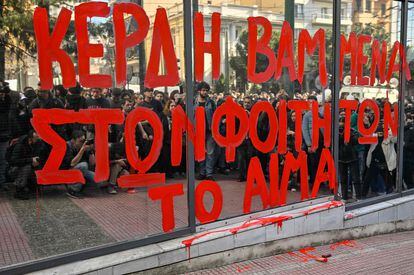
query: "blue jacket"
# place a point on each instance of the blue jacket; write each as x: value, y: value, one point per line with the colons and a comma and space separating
x: 209, y: 110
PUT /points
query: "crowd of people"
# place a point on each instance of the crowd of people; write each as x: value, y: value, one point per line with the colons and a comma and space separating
x: 364, y: 170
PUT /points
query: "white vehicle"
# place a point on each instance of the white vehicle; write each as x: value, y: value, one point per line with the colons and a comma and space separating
x: 368, y: 92
x: 134, y: 85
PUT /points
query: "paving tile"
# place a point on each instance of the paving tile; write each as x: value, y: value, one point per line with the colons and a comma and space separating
x: 384, y: 254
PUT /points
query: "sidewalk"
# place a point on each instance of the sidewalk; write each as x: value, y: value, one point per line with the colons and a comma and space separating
x: 385, y: 254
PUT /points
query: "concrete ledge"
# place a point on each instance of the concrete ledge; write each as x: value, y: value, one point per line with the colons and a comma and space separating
x: 281, y: 246
x: 308, y: 226
x: 313, y: 218
x: 392, y: 210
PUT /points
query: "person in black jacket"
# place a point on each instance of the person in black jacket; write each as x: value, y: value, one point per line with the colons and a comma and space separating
x: 5, y: 102
x: 119, y: 165
x: 246, y: 150
x: 76, y: 102
x: 79, y: 155
x: 24, y: 160
x: 408, y: 155
x: 348, y: 161
x: 45, y: 100
x: 154, y: 105
x: 22, y: 125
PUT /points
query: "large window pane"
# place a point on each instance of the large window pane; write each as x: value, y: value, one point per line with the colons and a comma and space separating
x: 368, y: 170
x: 408, y: 172
x: 41, y: 221
x: 232, y: 176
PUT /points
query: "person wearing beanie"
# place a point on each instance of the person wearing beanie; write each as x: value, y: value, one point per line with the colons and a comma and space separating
x: 115, y: 102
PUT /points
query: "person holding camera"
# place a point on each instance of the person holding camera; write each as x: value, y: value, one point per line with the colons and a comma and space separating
x: 79, y: 155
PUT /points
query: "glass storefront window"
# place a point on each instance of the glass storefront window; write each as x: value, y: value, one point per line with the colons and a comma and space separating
x: 408, y: 167
x: 42, y: 221
x: 369, y: 169
x: 233, y: 176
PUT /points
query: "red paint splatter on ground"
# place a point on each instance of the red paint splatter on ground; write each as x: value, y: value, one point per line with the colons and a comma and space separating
x: 305, y: 251
x: 348, y: 243
x: 305, y: 256
x: 241, y: 269
x: 302, y: 258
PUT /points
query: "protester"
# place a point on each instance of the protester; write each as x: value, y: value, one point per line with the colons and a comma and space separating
x: 348, y: 161
x: 203, y: 100
x: 354, y: 158
x: 24, y: 157
x: 79, y: 155
x: 5, y: 102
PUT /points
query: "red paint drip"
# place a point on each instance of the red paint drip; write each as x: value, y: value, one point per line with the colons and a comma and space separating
x: 189, y: 242
x: 278, y: 220
x: 348, y: 243
x: 262, y: 222
x: 328, y: 205
x: 349, y: 216
x: 188, y: 248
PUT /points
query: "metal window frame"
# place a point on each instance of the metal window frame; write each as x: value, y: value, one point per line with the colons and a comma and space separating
x: 401, y: 113
x: 336, y: 37
x: 189, y: 8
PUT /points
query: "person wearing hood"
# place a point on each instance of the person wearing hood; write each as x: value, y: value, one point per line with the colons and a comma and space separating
x: 60, y: 92
x: 22, y: 125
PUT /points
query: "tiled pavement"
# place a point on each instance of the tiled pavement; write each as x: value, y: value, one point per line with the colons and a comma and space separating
x: 54, y: 224
x: 384, y: 254
x: 14, y: 245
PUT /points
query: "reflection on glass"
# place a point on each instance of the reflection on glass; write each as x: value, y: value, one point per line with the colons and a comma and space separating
x: 233, y: 82
x: 408, y: 154
x: 41, y: 221
x: 367, y: 170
